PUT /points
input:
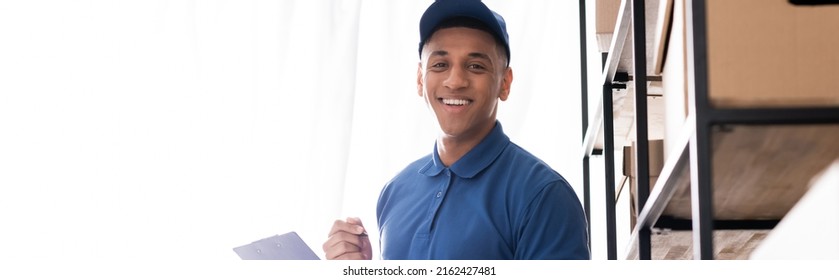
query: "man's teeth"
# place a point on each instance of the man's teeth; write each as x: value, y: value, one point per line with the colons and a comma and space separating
x: 457, y: 102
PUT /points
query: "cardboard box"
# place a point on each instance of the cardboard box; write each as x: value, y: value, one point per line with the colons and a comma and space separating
x: 770, y: 53
x: 656, y: 147
x: 606, y: 15
x: 656, y: 164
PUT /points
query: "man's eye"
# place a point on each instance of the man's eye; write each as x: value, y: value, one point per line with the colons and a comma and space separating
x: 438, y: 65
x: 476, y: 66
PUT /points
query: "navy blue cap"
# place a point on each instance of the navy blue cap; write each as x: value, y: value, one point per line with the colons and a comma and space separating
x: 442, y: 10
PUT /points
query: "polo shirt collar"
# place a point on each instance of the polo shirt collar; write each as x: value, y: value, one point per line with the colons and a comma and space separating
x: 474, y: 161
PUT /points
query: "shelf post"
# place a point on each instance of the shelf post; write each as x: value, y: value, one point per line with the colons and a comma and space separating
x: 642, y: 154
x: 584, y: 101
x: 700, y: 144
x: 609, y: 154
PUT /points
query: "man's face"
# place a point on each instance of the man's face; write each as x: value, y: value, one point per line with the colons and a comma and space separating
x: 462, y: 76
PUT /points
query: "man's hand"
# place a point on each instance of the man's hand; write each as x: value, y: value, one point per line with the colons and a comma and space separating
x: 348, y: 241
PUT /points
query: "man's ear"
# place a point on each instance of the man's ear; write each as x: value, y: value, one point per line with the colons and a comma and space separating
x: 419, y: 79
x: 506, y: 81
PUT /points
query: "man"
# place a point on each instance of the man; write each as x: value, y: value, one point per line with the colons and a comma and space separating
x: 477, y: 195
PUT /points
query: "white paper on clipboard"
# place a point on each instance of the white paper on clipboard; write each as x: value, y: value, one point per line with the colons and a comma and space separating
x: 288, y: 246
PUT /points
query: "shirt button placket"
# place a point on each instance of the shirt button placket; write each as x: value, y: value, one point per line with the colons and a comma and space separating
x: 438, y: 198
x: 443, y: 188
x: 448, y: 183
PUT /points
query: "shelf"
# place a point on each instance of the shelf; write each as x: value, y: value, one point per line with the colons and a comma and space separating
x: 619, y: 60
x: 730, y: 167
x: 620, y: 48
x: 760, y: 173
x: 779, y: 172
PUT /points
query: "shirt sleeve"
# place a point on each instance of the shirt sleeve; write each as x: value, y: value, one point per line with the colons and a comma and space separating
x: 554, y: 226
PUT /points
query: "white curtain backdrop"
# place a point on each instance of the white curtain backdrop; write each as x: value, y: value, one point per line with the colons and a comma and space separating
x: 181, y: 129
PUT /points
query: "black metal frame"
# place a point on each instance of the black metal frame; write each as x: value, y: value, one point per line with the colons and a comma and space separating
x: 671, y: 223
x: 707, y: 116
x: 584, y: 101
x: 614, y: 80
x: 609, y: 154
x: 702, y: 197
x: 699, y: 147
x: 642, y: 151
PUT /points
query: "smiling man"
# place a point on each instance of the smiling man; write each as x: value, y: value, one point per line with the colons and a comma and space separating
x: 477, y: 195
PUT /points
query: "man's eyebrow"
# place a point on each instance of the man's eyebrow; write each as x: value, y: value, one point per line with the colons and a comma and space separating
x: 480, y: 55
x: 439, y: 53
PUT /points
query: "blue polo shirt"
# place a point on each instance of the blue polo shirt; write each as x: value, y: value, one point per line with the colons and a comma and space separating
x: 497, y: 202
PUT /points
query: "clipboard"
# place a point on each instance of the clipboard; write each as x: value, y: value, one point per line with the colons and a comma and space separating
x: 288, y: 246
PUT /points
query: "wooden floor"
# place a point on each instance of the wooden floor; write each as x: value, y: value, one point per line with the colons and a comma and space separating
x: 728, y: 244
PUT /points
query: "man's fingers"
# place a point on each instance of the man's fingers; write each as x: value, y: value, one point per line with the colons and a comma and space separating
x: 341, y: 248
x: 354, y: 221
x: 344, y: 226
x: 342, y: 236
x: 351, y: 256
x: 347, y: 240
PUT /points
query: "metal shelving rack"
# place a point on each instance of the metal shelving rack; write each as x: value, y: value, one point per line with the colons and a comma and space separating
x: 613, y: 79
x: 708, y: 116
x: 695, y: 143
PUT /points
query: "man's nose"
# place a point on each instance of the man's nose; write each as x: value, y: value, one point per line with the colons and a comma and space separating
x: 456, y: 79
